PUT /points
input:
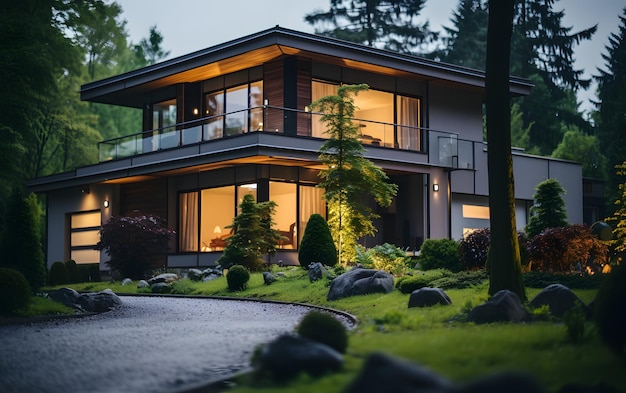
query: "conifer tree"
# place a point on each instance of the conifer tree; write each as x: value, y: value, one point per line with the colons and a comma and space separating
x: 548, y: 210
x: 317, y: 243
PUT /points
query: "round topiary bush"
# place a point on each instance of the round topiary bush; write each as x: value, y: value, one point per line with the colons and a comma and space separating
x: 317, y: 243
x: 237, y: 278
x: 14, y: 290
x: 73, y: 274
x: 58, y: 274
x: 440, y: 253
x: 325, y: 329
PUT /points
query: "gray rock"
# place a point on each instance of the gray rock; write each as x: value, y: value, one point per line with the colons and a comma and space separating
x: 316, y: 271
x: 359, y: 281
x: 65, y: 296
x: 165, y: 277
x: 504, y: 306
x: 210, y: 278
x: 217, y: 272
x: 289, y: 355
x: 127, y: 281
x: 268, y: 278
x: 427, y: 297
x: 161, y: 287
x: 102, y: 301
x: 280, y: 274
x: 143, y: 284
x: 382, y: 373
x: 195, y: 274
x: 560, y: 299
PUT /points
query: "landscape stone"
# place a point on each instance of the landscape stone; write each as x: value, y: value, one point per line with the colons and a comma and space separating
x: 65, y: 296
x: 560, y: 299
x: 164, y: 277
x: 383, y: 373
x: 195, y: 274
x: 102, y: 301
x: 126, y: 281
x: 427, y: 297
x: 143, y: 284
x: 290, y: 354
x: 359, y: 281
x: 161, y: 287
x: 316, y: 271
x: 504, y: 306
x: 268, y: 278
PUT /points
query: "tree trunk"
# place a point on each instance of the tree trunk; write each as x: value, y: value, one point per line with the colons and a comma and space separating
x: 503, y: 259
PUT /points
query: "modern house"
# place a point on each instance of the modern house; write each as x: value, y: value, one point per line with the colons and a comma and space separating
x: 235, y: 119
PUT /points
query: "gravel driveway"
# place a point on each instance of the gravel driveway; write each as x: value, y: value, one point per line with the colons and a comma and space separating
x: 150, y: 344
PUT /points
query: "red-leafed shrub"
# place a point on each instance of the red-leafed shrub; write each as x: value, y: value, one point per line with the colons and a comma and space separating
x: 475, y: 245
x: 564, y: 249
x: 135, y: 244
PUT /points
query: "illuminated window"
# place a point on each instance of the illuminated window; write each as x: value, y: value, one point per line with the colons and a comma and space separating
x: 84, y: 235
x: 475, y: 211
x: 284, y: 194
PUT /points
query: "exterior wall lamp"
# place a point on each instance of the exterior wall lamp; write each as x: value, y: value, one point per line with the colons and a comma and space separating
x: 436, y: 187
x: 105, y: 203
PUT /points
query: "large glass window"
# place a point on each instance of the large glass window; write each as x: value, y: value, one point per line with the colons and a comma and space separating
x: 163, y: 122
x: 214, y: 104
x: 218, y: 211
x: 234, y: 111
x: 188, y: 221
x: 381, y: 120
x: 284, y: 194
x: 84, y: 235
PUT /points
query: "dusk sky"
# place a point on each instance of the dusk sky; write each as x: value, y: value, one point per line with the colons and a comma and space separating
x: 191, y: 25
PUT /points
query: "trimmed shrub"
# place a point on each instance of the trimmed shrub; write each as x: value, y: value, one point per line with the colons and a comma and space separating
x: 325, y: 329
x: 610, y: 309
x: 73, y: 275
x: 317, y: 243
x: 460, y: 280
x: 440, y: 254
x: 237, y: 278
x: 386, y: 257
x: 572, y: 281
x: 408, y: 284
x: 14, y: 291
x: 58, y: 274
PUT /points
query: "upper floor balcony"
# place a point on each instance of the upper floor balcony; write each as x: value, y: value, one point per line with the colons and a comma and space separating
x: 441, y: 148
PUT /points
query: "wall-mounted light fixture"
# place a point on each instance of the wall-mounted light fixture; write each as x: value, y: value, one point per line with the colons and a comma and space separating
x: 85, y: 190
x: 266, y: 102
x: 436, y: 187
x: 105, y: 203
x: 195, y: 111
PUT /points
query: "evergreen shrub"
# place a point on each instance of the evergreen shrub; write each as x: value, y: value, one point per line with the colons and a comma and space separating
x: 408, y: 284
x: 14, y: 291
x: 73, y: 275
x: 440, y: 254
x: 324, y: 328
x: 317, y: 243
x: 237, y: 278
x: 58, y: 274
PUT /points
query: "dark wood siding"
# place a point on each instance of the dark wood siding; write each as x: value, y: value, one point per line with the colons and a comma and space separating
x: 304, y: 96
x: 149, y: 197
x: 273, y: 92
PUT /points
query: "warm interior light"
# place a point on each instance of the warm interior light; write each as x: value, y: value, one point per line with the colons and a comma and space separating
x: 195, y: 111
x: 436, y: 187
x: 106, y: 203
x: 251, y: 186
x: 217, y: 229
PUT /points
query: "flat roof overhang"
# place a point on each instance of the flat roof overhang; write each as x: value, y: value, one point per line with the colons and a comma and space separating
x: 262, y: 148
x: 130, y: 89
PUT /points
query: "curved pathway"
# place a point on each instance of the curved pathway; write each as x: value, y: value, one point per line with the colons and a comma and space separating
x: 150, y: 344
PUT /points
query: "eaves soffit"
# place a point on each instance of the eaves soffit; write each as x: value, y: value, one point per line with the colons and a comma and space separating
x: 259, y: 48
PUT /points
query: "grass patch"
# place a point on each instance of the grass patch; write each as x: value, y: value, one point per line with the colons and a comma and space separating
x: 38, y: 306
x: 434, y: 337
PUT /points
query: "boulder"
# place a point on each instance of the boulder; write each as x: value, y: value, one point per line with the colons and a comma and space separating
x: 65, y: 296
x: 268, y: 278
x: 504, y: 306
x: 102, y: 301
x: 161, y: 287
x: 316, y: 271
x: 359, y: 281
x: 289, y: 355
x: 165, y: 277
x: 126, y: 281
x: 195, y: 274
x: 143, y: 284
x: 382, y: 373
x: 560, y: 299
x: 427, y: 297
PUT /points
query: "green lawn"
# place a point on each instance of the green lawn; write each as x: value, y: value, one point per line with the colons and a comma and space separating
x: 461, y: 351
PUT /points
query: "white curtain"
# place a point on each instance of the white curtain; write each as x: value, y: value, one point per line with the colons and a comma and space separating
x: 188, y: 232
x: 319, y: 90
x: 311, y: 201
x: 408, y: 119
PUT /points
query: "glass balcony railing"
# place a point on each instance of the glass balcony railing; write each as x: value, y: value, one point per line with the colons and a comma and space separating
x: 444, y: 149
